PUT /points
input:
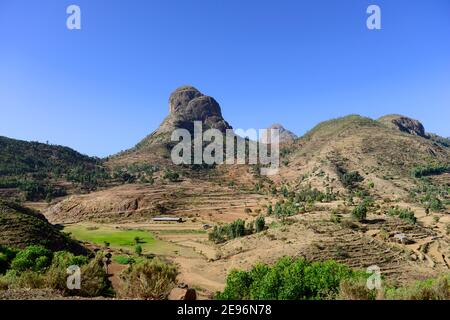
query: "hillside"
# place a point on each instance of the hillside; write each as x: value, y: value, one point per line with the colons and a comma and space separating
x: 21, y: 227
x: 35, y: 171
x: 379, y: 152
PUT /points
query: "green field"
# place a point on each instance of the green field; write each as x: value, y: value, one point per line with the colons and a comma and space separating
x: 120, y: 238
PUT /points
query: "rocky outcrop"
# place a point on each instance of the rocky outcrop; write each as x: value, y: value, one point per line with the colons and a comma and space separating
x: 286, y: 136
x: 186, y: 105
x: 404, y: 124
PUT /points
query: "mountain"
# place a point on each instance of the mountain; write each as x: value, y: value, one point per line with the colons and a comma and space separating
x: 286, y: 136
x: 186, y: 105
x: 379, y: 150
x: 404, y: 124
x: 21, y: 227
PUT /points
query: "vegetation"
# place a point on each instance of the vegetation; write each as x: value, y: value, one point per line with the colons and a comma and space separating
x: 21, y: 227
x: 149, y: 279
x: 260, y: 224
x: 432, y: 197
x: 429, y: 170
x: 360, y: 212
x: 33, y: 168
x: 138, y: 249
x: 350, y: 179
x: 115, y: 238
x: 288, y: 279
x: 36, y: 267
x: 431, y: 289
x: 236, y: 229
x: 405, y: 214
x: 171, y: 176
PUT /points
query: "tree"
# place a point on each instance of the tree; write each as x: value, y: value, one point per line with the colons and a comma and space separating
x: 360, y: 212
x: 138, y: 249
x: 260, y: 224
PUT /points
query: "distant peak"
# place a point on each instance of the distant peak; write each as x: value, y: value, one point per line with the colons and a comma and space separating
x: 285, y: 135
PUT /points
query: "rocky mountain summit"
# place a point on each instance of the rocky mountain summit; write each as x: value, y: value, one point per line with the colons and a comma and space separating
x: 186, y: 105
x: 404, y: 124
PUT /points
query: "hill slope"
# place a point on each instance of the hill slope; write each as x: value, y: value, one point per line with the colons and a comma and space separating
x: 40, y: 170
x: 21, y: 227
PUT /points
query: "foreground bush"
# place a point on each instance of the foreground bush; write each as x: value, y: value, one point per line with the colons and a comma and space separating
x: 288, y: 279
x: 150, y: 280
x: 35, y: 258
x: 432, y: 289
x: 6, y: 257
x: 37, y: 268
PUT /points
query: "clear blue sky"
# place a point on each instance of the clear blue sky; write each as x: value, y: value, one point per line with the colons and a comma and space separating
x: 103, y: 88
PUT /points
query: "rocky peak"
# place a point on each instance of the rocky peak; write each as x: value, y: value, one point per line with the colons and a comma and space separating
x: 404, y: 124
x: 187, y: 104
x: 285, y: 135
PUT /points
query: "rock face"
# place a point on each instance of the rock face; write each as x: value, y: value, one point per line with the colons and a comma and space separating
x: 285, y: 135
x: 404, y: 124
x: 186, y: 105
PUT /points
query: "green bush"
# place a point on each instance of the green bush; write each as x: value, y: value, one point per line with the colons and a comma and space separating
x: 94, y: 279
x: 6, y: 256
x: 260, y: 224
x: 235, y: 229
x: 360, y: 212
x: 288, y: 279
x: 405, y: 214
x: 138, y: 249
x: 429, y: 170
x: 56, y: 275
x: 35, y: 258
x: 172, y: 176
x: 431, y: 289
x: 150, y: 279
x: 350, y: 179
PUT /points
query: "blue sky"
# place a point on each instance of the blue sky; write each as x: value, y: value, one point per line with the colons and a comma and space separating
x: 101, y: 89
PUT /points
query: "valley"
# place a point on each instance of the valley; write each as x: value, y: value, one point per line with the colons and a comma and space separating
x: 355, y: 191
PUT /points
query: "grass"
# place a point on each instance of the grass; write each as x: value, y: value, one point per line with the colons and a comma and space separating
x: 120, y: 239
x: 182, y: 231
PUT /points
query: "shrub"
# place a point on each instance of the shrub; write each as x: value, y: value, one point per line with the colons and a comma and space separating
x: 172, y: 176
x: 56, y: 275
x: 360, y: 212
x: 94, y: 280
x: 355, y: 289
x: 25, y: 280
x: 435, y: 204
x: 288, y: 279
x: 35, y: 258
x: 404, y: 214
x: 150, y: 279
x: 350, y: 179
x: 432, y: 289
x: 138, y: 249
x: 260, y: 224
x: 6, y: 256
x: 429, y: 169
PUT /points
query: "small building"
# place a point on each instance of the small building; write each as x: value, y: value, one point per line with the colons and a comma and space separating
x: 168, y: 219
